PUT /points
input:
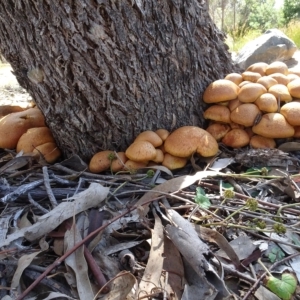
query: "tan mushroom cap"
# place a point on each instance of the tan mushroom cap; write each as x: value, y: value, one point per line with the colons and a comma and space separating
x: 291, y: 111
x: 118, y: 163
x: 251, y: 76
x: 162, y: 133
x: 159, y: 156
x: 280, y: 78
x: 235, y: 78
x: 149, y: 136
x: 101, y: 161
x: 172, y: 162
x: 273, y: 125
x: 236, y: 138
x: 250, y: 92
x: 280, y: 91
x: 141, y: 151
x: 292, y: 77
x: 233, y: 104
x: 135, y: 165
x: 186, y: 140
x: 294, y: 88
x: 245, y: 82
x: 234, y: 125
x: 277, y: 67
x: 218, y: 130
x: 267, y: 81
x: 259, y: 67
x: 218, y: 113
x: 220, y: 90
x: 34, y: 137
x: 14, y: 125
x: 297, y: 132
x: 245, y: 114
x: 267, y: 103
x: 261, y: 142
x: 294, y: 70
x: 8, y: 109
x: 49, y: 151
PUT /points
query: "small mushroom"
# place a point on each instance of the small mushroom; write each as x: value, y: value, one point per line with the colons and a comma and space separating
x: 294, y: 70
x: 277, y: 67
x: 280, y: 78
x: 14, y: 125
x: 8, y: 109
x: 141, y: 151
x: 159, y: 156
x: 233, y: 104
x: 132, y: 166
x: 291, y: 111
x: 267, y: 81
x: 172, y: 162
x: 220, y: 90
x: 218, y: 113
x: 119, y: 162
x: 236, y: 138
x: 251, y: 76
x: 235, y: 78
x: 162, y: 133
x: 245, y: 114
x: 49, y: 152
x: 267, y: 103
x: 186, y: 140
x: 149, y: 136
x: 292, y: 77
x: 259, y: 67
x: 294, y: 88
x: 273, y: 125
x: 281, y: 92
x: 250, y: 92
x: 34, y: 137
x: 261, y: 142
x: 101, y: 161
x: 218, y: 130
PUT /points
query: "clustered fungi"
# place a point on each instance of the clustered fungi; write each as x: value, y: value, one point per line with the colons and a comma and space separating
x: 25, y: 130
x: 253, y: 108
x: 256, y: 107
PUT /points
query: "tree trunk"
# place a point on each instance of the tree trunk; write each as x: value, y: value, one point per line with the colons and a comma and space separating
x: 102, y: 71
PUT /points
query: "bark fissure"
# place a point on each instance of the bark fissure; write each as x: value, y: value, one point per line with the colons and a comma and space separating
x: 113, y: 68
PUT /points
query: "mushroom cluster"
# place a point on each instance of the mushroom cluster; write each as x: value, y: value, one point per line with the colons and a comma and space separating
x: 25, y: 130
x: 157, y: 147
x: 256, y: 107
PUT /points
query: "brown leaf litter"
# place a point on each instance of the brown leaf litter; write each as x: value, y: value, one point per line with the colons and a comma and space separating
x: 196, y: 233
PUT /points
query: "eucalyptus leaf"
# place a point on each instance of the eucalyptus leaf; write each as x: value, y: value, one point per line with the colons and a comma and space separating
x: 283, y: 288
x: 201, y: 199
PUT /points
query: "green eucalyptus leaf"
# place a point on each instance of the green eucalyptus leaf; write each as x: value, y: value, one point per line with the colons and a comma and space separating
x: 283, y: 288
x: 276, y: 254
x: 201, y: 199
x: 227, y: 186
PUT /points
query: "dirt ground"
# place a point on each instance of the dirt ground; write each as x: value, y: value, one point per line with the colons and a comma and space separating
x: 12, y: 94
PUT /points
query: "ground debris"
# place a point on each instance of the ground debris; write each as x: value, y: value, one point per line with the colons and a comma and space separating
x: 70, y: 233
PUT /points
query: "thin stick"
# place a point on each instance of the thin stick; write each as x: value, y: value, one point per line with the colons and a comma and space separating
x: 35, y: 204
x: 48, y: 187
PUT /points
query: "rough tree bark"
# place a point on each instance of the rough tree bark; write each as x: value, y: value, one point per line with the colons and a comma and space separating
x: 102, y: 71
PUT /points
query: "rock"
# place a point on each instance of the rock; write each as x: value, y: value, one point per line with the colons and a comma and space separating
x: 273, y: 45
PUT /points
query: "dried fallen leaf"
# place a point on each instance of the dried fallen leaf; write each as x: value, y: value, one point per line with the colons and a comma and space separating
x: 152, y: 273
x: 77, y: 263
x: 171, y: 186
x: 91, y: 197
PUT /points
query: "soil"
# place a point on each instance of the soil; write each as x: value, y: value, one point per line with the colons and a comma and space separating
x: 11, y: 93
